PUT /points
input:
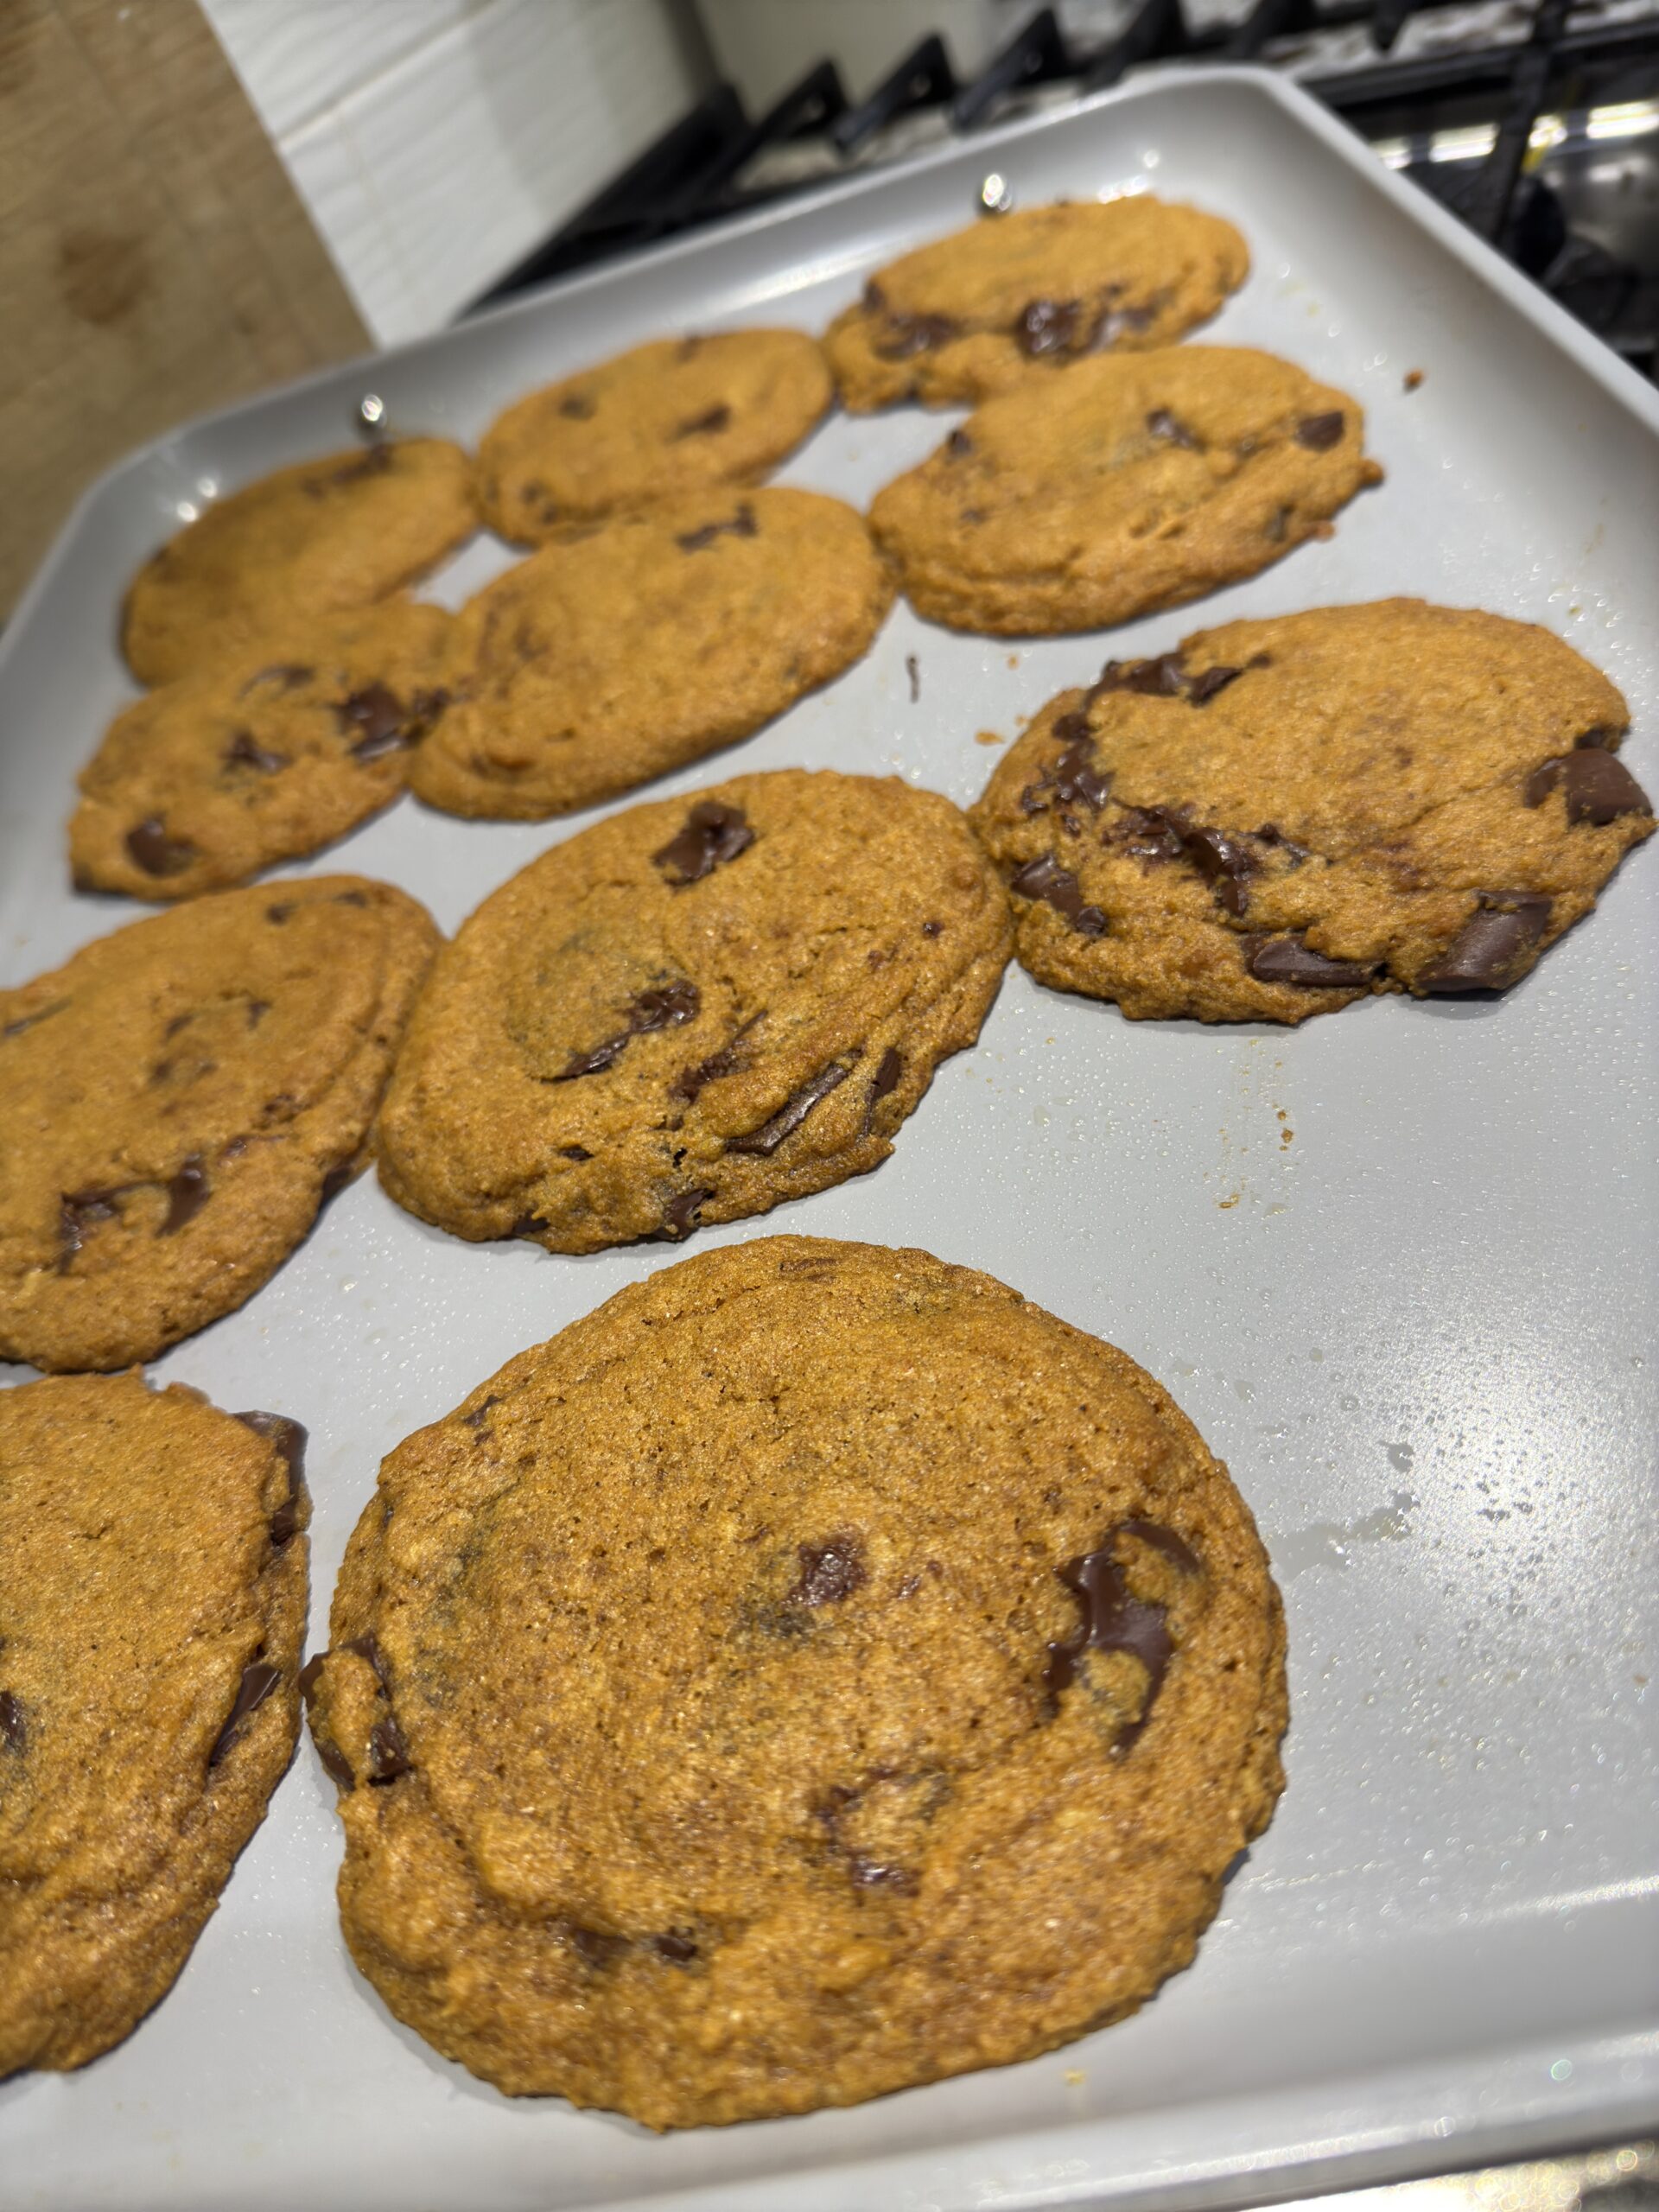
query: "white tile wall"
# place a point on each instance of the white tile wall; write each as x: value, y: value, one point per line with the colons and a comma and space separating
x: 437, y: 141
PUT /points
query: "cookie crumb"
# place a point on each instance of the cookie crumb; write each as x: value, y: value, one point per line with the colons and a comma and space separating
x: 1412, y: 379
x: 989, y: 737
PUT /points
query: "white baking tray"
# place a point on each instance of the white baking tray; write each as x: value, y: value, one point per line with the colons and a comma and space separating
x: 1397, y: 1265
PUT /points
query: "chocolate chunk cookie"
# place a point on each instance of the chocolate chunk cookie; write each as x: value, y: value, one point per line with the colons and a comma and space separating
x: 152, y: 1604
x: 177, y: 1101
x: 815, y: 1671
x: 680, y: 415
x: 1131, y: 483
x: 1282, y: 816
x: 594, y: 666
x: 323, y: 538
x: 1007, y: 301
x: 250, y: 760
x: 693, y: 1010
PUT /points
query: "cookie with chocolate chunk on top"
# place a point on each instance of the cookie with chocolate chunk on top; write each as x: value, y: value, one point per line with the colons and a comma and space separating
x: 594, y: 666
x: 693, y: 1010
x: 177, y: 1101
x: 1011, y: 300
x: 1131, y: 483
x: 152, y: 1605
x: 251, y: 761
x: 326, y: 537
x: 676, y: 415
x: 815, y: 1671
x: 1283, y: 816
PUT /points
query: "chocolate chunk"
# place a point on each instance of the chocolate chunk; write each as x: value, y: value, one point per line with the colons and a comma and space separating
x: 829, y: 1571
x: 1113, y: 1619
x: 368, y: 1646
x: 309, y: 1674
x: 1162, y: 678
x: 712, y: 834
x: 907, y: 335
x: 1047, y: 326
x: 1045, y: 879
x: 932, y: 929
x: 388, y: 1753
x: 1288, y: 960
x: 725, y: 1061
x: 677, y: 1949
x: 243, y: 753
x: 766, y: 1140
x: 1596, y: 785
x: 1163, y: 424
x: 1271, y: 834
x: 1203, y: 686
x: 80, y: 1211
x: 741, y: 524
x: 574, y: 1152
x: 335, y: 1764
x: 14, y: 1729
x: 287, y: 676
x: 187, y: 1194
x: 595, y: 1947
x: 157, y: 853
x: 680, y: 1218
x: 528, y: 1225
x: 959, y: 443
x: 1490, y: 951
x: 658, y: 1009
x: 703, y: 425
x: 913, y: 670
x: 380, y: 718
x: 886, y: 1074
x: 281, y: 911
x: 1221, y: 860
x: 335, y: 1181
x: 480, y: 1413
x: 1318, y: 433
x: 289, y: 1438
x: 257, y: 1684
x: 576, y: 409
x: 1163, y: 1540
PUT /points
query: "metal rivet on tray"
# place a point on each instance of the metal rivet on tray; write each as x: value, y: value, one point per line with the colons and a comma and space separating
x: 995, y: 194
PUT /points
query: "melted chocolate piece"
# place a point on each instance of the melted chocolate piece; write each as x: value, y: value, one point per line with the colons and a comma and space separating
x: 1596, y: 785
x: 14, y: 1729
x: 368, y: 1646
x: 1163, y: 424
x: 388, y: 1753
x: 289, y: 1438
x: 595, y: 1947
x: 1165, y: 1540
x: 309, y: 1674
x: 680, y: 1218
x: 528, y: 1225
x: 335, y: 1764
x: 1318, y: 433
x: 1045, y: 879
x: 1047, y: 326
x: 243, y: 753
x: 886, y: 1074
x: 157, y: 853
x: 287, y: 676
x: 380, y: 718
x: 80, y: 1211
x: 257, y: 1684
x: 1203, y: 686
x: 1162, y: 678
x: 480, y: 1413
x: 659, y: 1009
x: 1072, y: 779
x: 678, y: 1949
x: 712, y: 834
x: 829, y: 1571
x: 1288, y: 960
x: 187, y: 1194
x: 335, y: 1181
x: 766, y: 1140
x: 742, y: 524
x: 705, y: 425
x: 907, y: 335
x: 1168, y: 833
x: 577, y: 409
x: 574, y: 1152
x: 1113, y: 1619
x: 1490, y: 951
x: 958, y: 443
x: 727, y: 1061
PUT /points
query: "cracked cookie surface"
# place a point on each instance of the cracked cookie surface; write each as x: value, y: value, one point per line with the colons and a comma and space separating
x: 693, y: 1010
x: 152, y: 1605
x: 594, y: 665
x: 1010, y: 300
x: 678, y: 415
x: 325, y: 537
x: 1286, y: 815
x: 1131, y: 483
x: 177, y: 1101
x: 250, y: 760
x: 815, y: 1672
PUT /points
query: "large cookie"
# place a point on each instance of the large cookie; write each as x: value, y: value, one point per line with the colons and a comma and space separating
x: 249, y: 761
x: 595, y: 665
x: 1131, y: 483
x: 325, y: 537
x: 679, y: 414
x: 177, y: 1101
x: 1282, y: 816
x: 693, y: 1010
x: 152, y: 1604
x: 815, y: 1671
x: 1007, y: 301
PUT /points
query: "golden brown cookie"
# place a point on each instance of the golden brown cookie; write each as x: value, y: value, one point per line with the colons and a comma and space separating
x: 152, y: 1607
x: 680, y: 415
x: 1010, y: 300
x: 250, y: 760
x: 1282, y: 816
x: 325, y: 537
x: 1131, y: 483
x: 177, y: 1101
x: 594, y: 665
x: 815, y: 1671
x: 693, y: 1010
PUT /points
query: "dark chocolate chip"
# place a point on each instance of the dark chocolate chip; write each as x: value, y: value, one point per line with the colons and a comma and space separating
x: 1045, y: 879
x: 289, y: 1438
x: 1490, y: 951
x: 913, y: 670
x: 932, y: 929
x: 576, y: 409
x: 741, y: 524
x: 528, y: 1225
x: 335, y: 1764
x: 1318, y: 433
x: 1288, y: 960
x: 714, y: 833
x: 1597, y: 786
x: 243, y: 753
x: 886, y: 1074
x: 727, y: 1061
x: 907, y: 335
x: 350, y: 899
x: 958, y: 443
x: 187, y: 1194
x: 678, y: 1950
x: 256, y: 1686
x: 1203, y: 686
x: 1163, y: 424
x: 595, y: 1947
x: 1113, y: 1619
x: 829, y: 1571
x: 577, y: 1152
x: 309, y: 1674
x: 664, y: 1008
x: 281, y: 911
x: 1162, y: 678
x: 480, y: 1413
x: 1163, y: 1540
x: 14, y: 1729
x: 157, y: 853
x: 388, y: 1753
x: 80, y: 1211
x: 368, y: 1646
x: 704, y: 425
x: 1047, y: 326
x: 1222, y: 862
x: 380, y: 718
x: 766, y: 1140
x: 680, y: 1216
x: 335, y: 1181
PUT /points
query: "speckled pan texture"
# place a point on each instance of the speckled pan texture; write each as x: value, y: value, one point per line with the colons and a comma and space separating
x: 1396, y: 1268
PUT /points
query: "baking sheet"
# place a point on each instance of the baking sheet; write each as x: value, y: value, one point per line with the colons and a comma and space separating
x: 1397, y: 1265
